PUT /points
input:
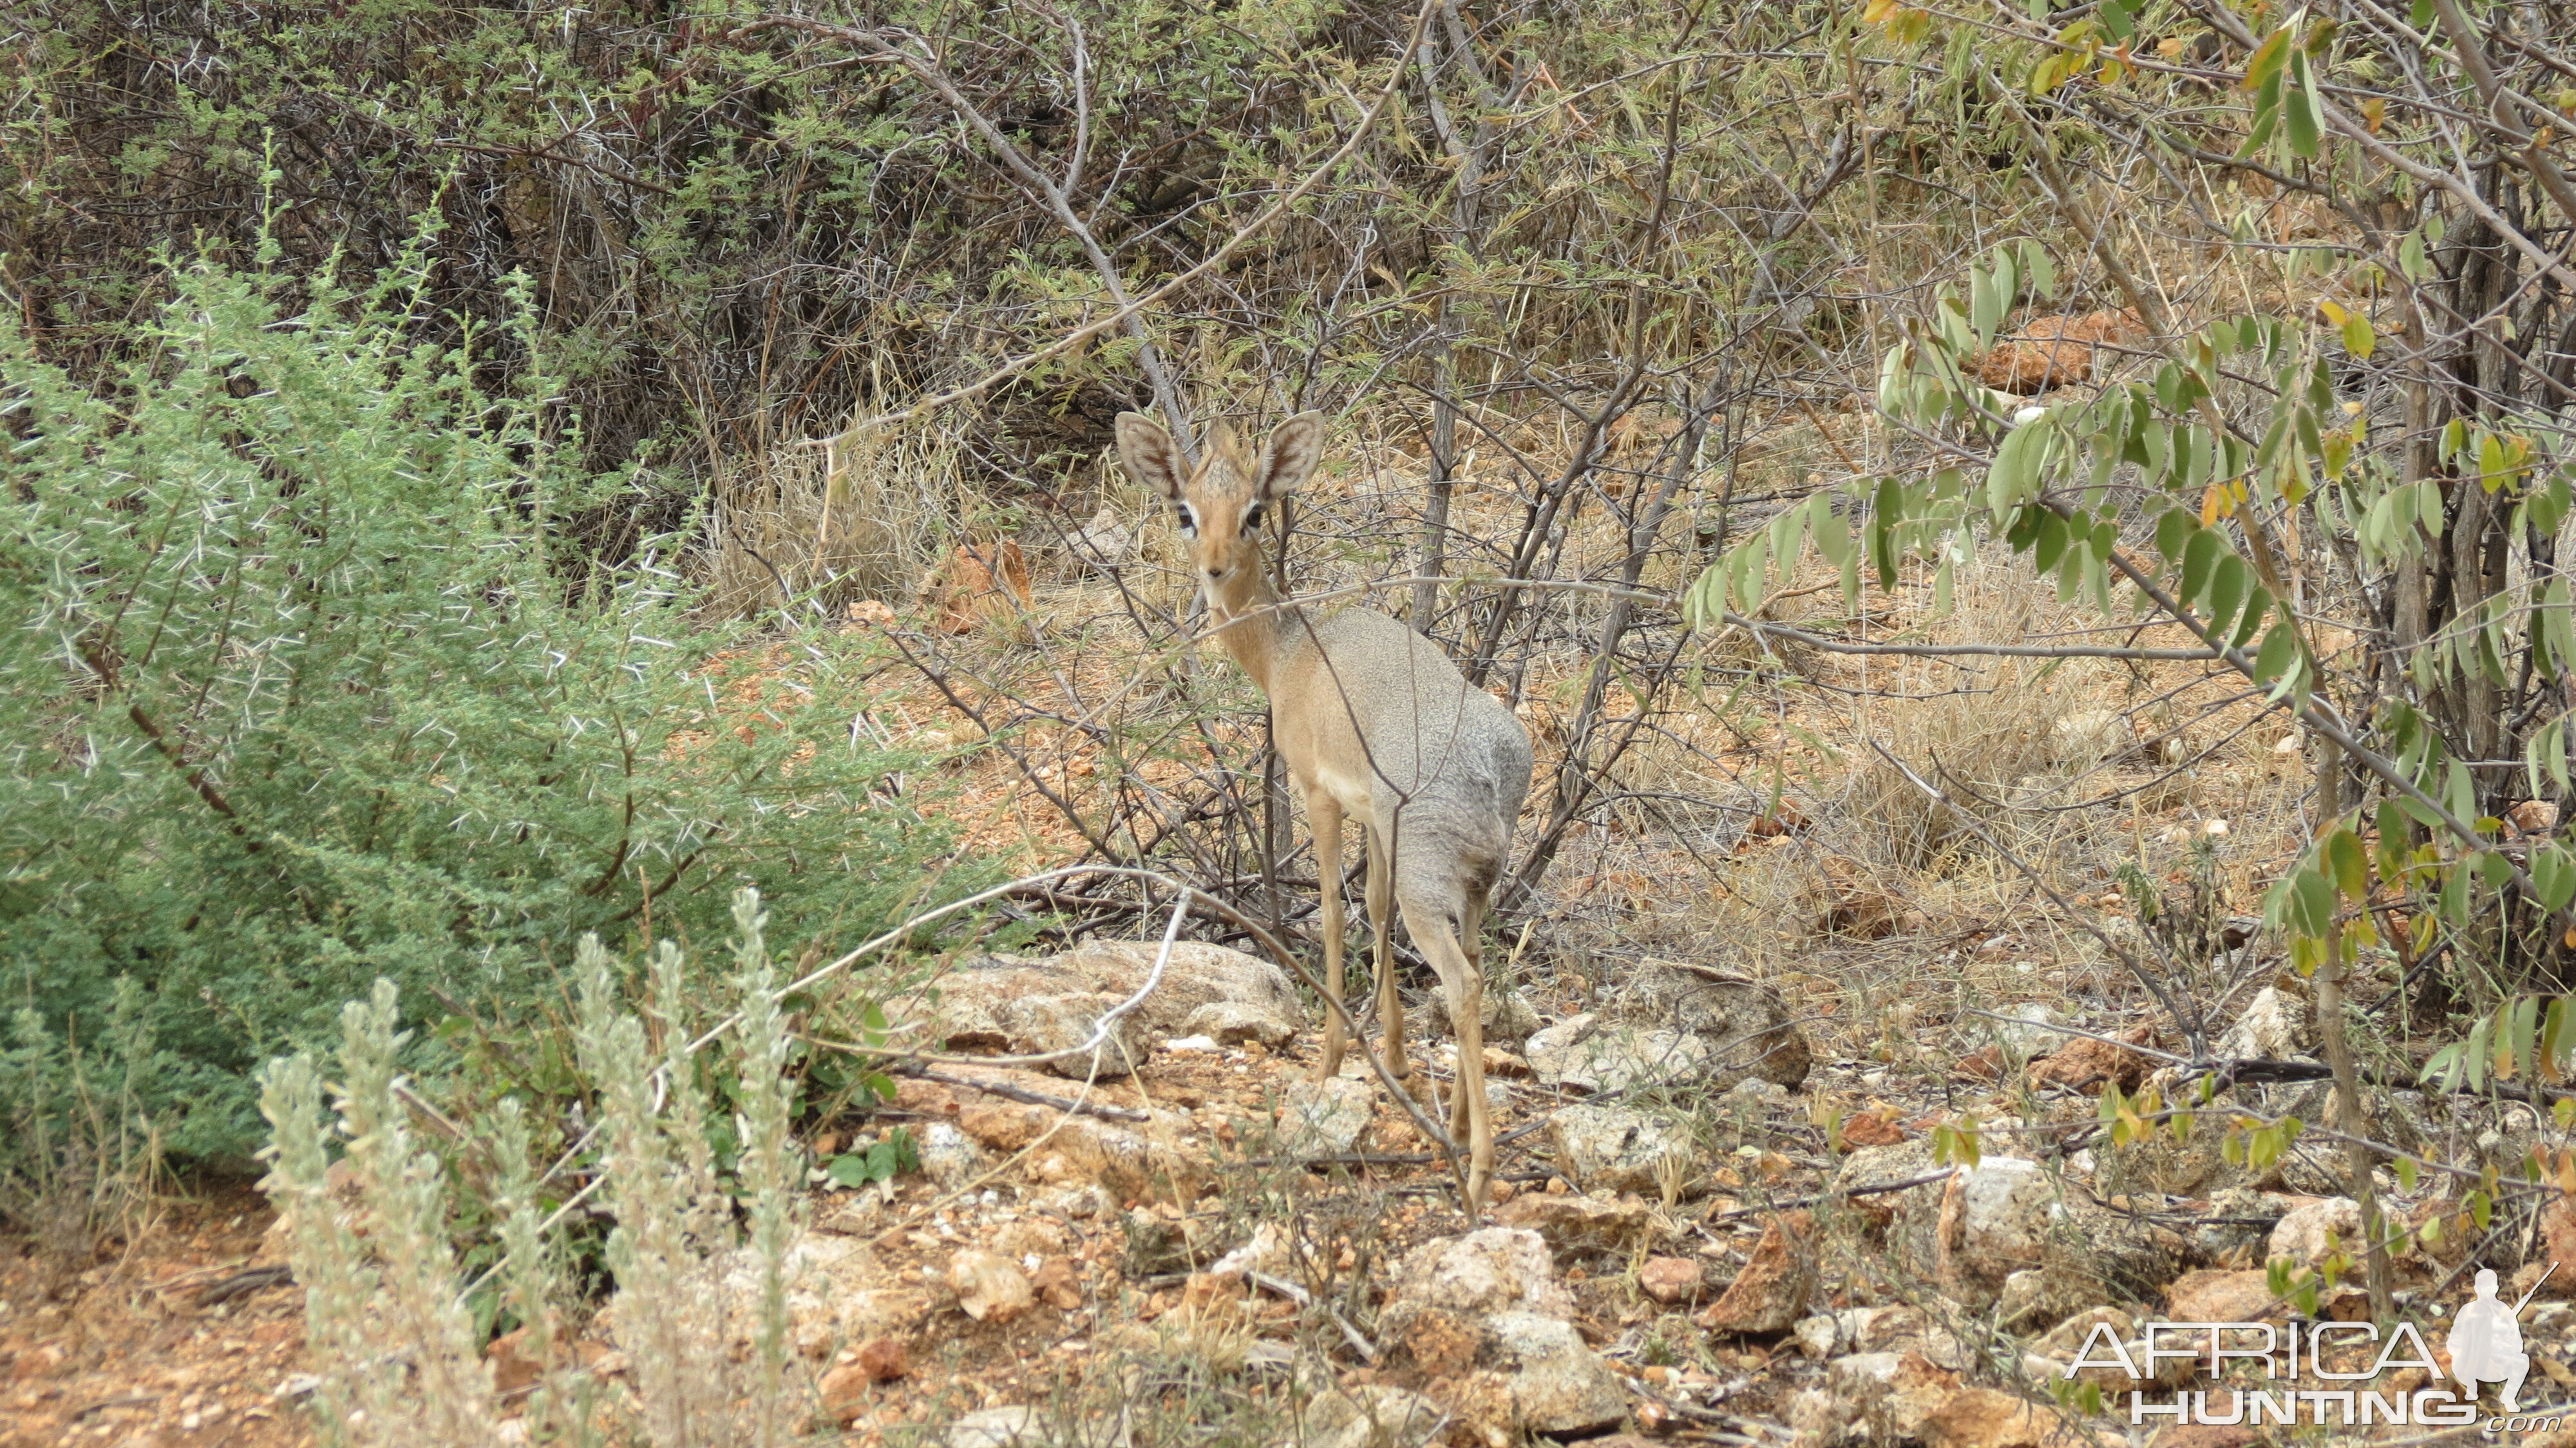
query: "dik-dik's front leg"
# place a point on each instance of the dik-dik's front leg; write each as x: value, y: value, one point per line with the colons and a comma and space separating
x: 1324, y: 815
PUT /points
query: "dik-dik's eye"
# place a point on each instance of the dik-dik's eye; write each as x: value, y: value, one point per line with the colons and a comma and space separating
x: 1252, y: 517
x: 1189, y: 520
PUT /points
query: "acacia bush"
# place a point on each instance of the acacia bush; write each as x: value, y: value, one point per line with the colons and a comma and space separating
x: 305, y: 689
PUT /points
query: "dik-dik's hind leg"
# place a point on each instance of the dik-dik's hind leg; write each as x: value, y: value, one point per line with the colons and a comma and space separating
x: 1324, y: 815
x: 1390, y: 1001
x: 1452, y: 942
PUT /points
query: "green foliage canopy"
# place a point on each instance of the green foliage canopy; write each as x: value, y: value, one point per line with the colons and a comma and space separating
x: 303, y: 688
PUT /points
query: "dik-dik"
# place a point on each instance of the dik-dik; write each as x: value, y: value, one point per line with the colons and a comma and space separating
x: 1373, y: 722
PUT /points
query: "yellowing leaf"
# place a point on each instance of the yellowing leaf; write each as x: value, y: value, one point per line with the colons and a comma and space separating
x: 2267, y: 58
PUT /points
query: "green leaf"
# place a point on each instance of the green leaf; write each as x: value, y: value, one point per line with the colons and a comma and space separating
x: 2267, y: 59
x: 851, y: 1169
x: 1990, y: 296
x: 1831, y: 529
x: 2303, y: 112
x: 2558, y: 622
x: 2349, y: 865
x: 2013, y: 479
x: 2050, y: 543
x: 2267, y: 119
x: 2280, y: 653
x: 2490, y: 653
x: 2255, y: 607
x: 2227, y: 592
x: 2445, y: 1065
x: 2312, y: 904
x: 2458, y: 792
x: 1788, y: 535
x: 2392, y: 837
x: 2173, y: 530
x: 2549, y: 875
x: 2042, y: 271
x: 2156, y: 447
x: 1751, y: 569
x: 2199, y: 560
x: 1706, y: 598
x: 2411, y: 259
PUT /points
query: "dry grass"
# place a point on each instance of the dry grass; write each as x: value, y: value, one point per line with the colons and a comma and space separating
x: 843, y: 519
x: 1990, y: 733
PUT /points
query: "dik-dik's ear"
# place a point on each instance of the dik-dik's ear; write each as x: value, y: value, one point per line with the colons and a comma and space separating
x: 1150, y: 456
x: 1292, y: 452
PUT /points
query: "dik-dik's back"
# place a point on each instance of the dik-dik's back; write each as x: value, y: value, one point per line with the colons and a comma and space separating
x: 1375, y: 714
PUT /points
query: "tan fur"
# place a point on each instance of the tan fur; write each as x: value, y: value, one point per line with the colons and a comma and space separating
x: 1372, y: 721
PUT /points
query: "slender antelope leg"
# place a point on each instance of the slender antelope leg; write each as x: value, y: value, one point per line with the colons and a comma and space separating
x: 1324, y: 815
x: 1434, y: 930
x: 1390, y: 1001
x: 1471, y: 1051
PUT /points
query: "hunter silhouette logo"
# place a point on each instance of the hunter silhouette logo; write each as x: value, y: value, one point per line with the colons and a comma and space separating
x: 2485, y: 1343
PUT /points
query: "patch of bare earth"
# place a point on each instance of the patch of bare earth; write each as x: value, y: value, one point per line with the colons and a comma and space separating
x: 178, y: 1339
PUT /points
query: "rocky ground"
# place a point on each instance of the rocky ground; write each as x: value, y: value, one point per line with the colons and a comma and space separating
x: 185, y: 1338
x: 1701, y: 1234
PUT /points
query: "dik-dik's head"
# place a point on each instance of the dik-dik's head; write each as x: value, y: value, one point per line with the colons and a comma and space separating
x: 1222, y: 504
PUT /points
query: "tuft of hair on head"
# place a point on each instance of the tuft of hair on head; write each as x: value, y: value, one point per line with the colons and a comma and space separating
x: 1225, y: 443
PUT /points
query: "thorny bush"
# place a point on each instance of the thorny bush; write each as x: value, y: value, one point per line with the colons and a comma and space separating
x: 301, y: 693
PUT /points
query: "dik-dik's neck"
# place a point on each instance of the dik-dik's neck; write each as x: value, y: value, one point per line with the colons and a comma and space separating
x: 1248, y: 623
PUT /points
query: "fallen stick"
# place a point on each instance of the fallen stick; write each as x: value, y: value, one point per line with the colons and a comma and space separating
x: 1027, y: 1097
x: 1303, y: 1298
